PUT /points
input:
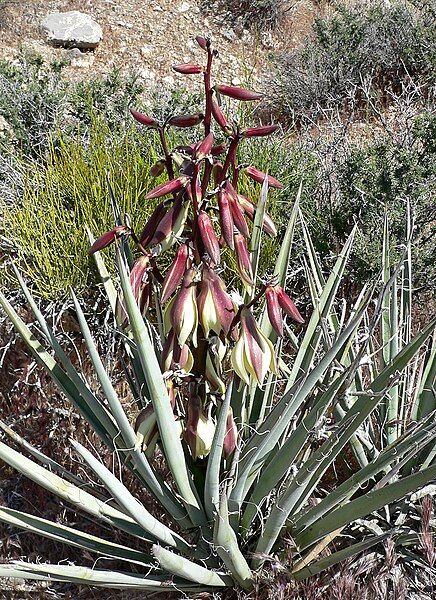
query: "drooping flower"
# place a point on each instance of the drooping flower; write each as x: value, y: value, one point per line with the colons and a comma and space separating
x: 214, y: 366
x: 253, y: 354
x: 107, y: 238
x: 174, y: 356
x: 200, y: 429
x: 237, y: 93
x: 208, y: 236
x: 181, y: 313
x: 175, y: 273
x: 171, y: 226
x: 215, y: 307
x: 231, y: 435
x: 276, y: 301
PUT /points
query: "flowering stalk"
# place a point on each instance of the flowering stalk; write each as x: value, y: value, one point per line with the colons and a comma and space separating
x: 209, y: 339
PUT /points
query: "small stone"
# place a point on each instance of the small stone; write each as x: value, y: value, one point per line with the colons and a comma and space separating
x: 74, y: 53
x: 184, y: 7
x: 229, y: 34
x: 236, y: 81
x: 71, y: 29
x: 147, y: 74
x: 146, y: 50
x: 5, y: 127
x: 169, y: 80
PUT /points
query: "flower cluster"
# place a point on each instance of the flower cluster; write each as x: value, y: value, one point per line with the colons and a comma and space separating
x: 208, y: 338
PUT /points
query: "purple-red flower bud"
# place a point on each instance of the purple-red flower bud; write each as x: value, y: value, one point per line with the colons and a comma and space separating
x: 175, y: 273
x: 250, y: 210
x: 226, y: 218
x: 243, y: 259
x: 288, y: 306
x: 204, y: 148
x: 259, y: 177
x: 217, y: 150
x: 169, y: 187
x: 276, y: 301
x: 203, y: 42
x: 107, y: 238
x: 139, y: 275
x: 186, y: 120
x: 219, y: 116
x: 235, y: 209
x: 259, y: 131
x: 188, y: 69
x: 152, y: 223
x: 274, y: 311
x: 231, y: 435
x: 208, y: 236
x: 237, y: 93
x: 143, y: 119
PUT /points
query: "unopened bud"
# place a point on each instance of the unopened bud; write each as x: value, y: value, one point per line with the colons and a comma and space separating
x: 204, y: 147
x: 186, y: 120
x: 169, y: 187
x: 203, y: 42
x: 243, y: 260
x: 208, y: 236
x: 259, y: 131
x: 237, y: 93
x: 143, y: 119
x: 231, y: 435
x: 175, y: 273
x: 152, y: 223
x: 188, y: 69
x: 107, y: 238
x: 226, y: 218
x: 288, y: 306
x: 219, y: 116
x: 259, y: 177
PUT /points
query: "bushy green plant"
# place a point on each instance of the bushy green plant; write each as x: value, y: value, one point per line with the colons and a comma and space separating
x: 364, y: 48
x: 46, y: 226
x: 247, y: 435
x: 255, y: 14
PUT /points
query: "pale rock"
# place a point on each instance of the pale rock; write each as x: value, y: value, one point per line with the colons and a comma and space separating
x: 184, y: 7
x: 71, y: 29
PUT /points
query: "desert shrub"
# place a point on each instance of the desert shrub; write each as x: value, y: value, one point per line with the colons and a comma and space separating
x: 36, y: 101
x: 46, y: 226
x: 384, y: 176
x: 32, y: 100
x: 258, y: 15
x: 363, y: 49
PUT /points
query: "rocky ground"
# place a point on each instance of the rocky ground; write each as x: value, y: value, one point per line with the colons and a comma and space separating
x: 148, y: 36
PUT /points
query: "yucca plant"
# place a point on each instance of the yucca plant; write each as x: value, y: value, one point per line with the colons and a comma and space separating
x: 246, y: 433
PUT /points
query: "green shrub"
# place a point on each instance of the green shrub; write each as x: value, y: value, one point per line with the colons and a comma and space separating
x: 259, y: 14
x: 368, y: 48
x: 47, y: 226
